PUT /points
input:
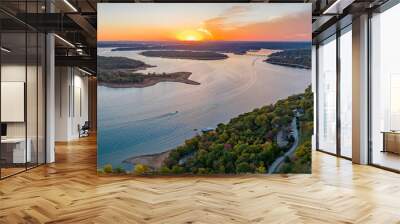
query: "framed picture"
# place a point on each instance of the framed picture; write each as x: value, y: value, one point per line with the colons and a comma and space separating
x: 216, y: 88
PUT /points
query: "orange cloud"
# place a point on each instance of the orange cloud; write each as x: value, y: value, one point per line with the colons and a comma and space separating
x: 294, y: 27
x: 134, y: 33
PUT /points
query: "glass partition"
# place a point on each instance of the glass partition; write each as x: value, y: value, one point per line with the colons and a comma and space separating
x: 385, y: 89
x: 346, y: 93
x: 14, y: 153
x: 327, y: 95
x: 22, y: 88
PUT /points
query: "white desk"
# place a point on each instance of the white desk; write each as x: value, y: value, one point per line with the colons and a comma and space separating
x: 20, y: 155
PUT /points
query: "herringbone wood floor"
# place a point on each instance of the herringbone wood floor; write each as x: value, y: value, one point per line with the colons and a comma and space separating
x: 70, y: 192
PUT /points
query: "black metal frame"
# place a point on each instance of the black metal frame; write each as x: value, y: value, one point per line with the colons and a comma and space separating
x: 369, y: 90
x: 36, y: 164
x: 338, y: 98
x: 316, y: 97
x: 339, y: 32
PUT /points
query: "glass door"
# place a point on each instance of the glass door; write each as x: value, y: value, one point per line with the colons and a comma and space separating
x: 327, y: 95
x: 385, y: 89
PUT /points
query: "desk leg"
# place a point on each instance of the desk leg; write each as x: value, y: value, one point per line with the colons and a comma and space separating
x: 384, y: 142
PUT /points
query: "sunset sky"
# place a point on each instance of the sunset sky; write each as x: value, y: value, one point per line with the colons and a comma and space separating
x: 202, y: 22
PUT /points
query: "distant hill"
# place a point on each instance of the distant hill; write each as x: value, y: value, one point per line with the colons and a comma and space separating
x: 237, y: 47
x: 110, y: 63
x: 195, y: 55
x: 298, y: 58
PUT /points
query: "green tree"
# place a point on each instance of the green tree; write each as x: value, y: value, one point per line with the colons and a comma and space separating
x: 107, y: 168
x: 165, y: 170
x: 177, y: 169
x: 140, y: 169
x: 119, y: 170
x: 243, y: 167
x: 202, y: 171
x: 261, y: 169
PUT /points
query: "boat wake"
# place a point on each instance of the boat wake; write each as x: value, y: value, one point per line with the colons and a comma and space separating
x: 158, y: 116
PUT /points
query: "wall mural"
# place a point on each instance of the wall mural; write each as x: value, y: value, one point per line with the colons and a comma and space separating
x: 215, y: 88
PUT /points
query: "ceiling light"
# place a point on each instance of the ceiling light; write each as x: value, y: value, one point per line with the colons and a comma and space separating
x: 70, y: 5
x: 84, y: 71
x: 338, y: 6
x: 64, y: 40
x: 79, y: 51
x: 5, y: 50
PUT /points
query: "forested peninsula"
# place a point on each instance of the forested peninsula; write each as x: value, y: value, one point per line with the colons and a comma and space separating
x: 121, y: 72
x: 193, y: 55
x: 297, y: 58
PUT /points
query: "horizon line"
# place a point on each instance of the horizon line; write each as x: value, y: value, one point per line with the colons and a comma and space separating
x: 294, y: 41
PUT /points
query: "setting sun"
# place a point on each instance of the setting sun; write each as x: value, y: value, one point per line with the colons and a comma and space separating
x: 190, y: 35
x: 191, y: 38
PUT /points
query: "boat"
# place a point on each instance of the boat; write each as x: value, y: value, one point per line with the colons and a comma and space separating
x: 208, y: 129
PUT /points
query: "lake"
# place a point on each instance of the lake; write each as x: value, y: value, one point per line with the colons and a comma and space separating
x: 138, y: 121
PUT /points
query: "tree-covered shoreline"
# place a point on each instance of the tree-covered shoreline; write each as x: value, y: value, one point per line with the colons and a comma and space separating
x: 122, y: 72
x: 297, y: 58
x: 246, y: 144
x: 105, y: 64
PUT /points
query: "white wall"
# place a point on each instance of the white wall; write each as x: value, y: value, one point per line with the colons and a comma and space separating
x: 80, y: 105
x: 62, y: 82
x: 16, y: 73
x: 33, y: 126
x: 71, y: 87
x: 13, y: 72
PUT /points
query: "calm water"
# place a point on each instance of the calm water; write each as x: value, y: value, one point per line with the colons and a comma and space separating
x: 138, y: 121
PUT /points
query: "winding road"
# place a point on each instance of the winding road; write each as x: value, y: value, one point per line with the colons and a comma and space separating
x: 278, y: 161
